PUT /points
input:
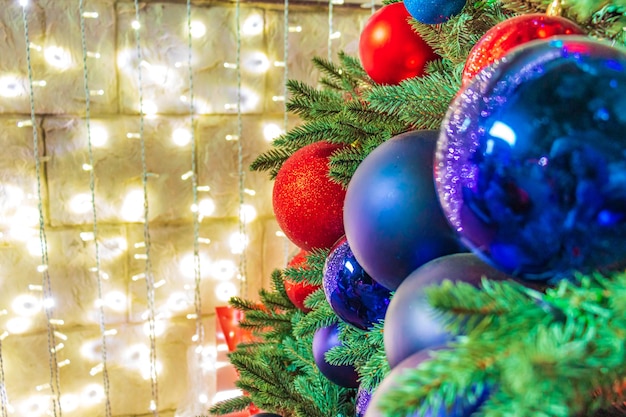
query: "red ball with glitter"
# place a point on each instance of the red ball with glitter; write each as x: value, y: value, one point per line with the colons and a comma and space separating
x: 506, y: 35
x: 308, y: 205
x: 389, y: 48
x: 299, y: 291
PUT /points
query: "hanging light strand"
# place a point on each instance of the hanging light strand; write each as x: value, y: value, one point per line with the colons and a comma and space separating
x: 285, y: 92
x: 92, y: 188
x: 242, y: 224
x: 197, y: 299
x: 154, y: 403
x: 330, y: 30
x: 47, y: 288
x: 4, y: 401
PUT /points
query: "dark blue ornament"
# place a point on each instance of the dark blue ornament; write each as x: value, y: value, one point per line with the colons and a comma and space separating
x: 432, y: 12
x: 353, y: 295
x: 363, y: 398
x: 531, y: 161
x: 461, y: 407
x: 392, y: 216
x: 324, y: 340
x: 411, y: 324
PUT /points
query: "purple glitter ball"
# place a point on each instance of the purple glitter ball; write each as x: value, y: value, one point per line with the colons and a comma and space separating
x: 353, y: 295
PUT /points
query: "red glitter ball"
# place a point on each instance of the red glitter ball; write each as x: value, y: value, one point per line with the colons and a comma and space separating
x: 299, y: 291
x: 505, y: 36
x: 389, y: 48
x: 307, y: 204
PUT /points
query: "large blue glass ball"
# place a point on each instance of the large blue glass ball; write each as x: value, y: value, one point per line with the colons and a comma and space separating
x: 432, y: 12
x: 531, y: 160
x: 392, y: 217
x: 352, y: 294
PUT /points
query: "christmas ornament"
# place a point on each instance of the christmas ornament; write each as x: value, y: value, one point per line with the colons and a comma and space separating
x: 392, y: 216
x: 531, y: 162
x: 411, y: 324
x: 461, y: 408
x: 353, y: 295
x: 325, y: 339
x: 433, y: 12
x: 307, y: 204
x: 363, y: 398
x: 506, y: 35
x: 389, y: 48
x: 299, y: 291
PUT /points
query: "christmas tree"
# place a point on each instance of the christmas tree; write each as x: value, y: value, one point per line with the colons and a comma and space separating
x: 540, y: 335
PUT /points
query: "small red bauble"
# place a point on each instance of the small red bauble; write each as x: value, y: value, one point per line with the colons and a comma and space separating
x: 390, y: 50
x: 299, y: 291
x: 506, y: 35
x: 307, y: 204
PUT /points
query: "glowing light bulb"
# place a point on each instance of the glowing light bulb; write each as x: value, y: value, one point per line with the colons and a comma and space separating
x: 135, y: 25
x: 34, y: 406
x: 271, y: 131
x: 177, y: 301
x: 159, y: 328
x: 34, y: 246
x: 181, y: 137
x: 187, y: 264
x: 206, y: 207
x: 48, y: 303
x: 132, y: 208
x: 247, y: 213
x: 58, y: 57
x: 149, y: 108
x: 249, y: 99
x: 238, y: 242
x: 224, y: 291
x: 69, y: 402
x: 146, y: 370
x: 253, y: 25
x: 203, y: 398
x: 223, y: 270
x: 18, y: 325
x: 23, y: 3
x: 256, y: 62
x: 92, y: 394
x: 10, y: 86
x: 81, y: 203
x: 26, y: 305
x: 158, y: 73
x: 115, y: 300
x: 99, y: 136
x: 197, y: 29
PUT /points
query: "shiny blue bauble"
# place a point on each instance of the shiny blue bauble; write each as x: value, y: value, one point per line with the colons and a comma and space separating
x: 392, y: 217
x: 411, y: 324
x: 362, y: 401
x: 352, y: 294
x: 461, y: 407
x: 432, y: 12
x: 324, y: 340
x: 531, y: 160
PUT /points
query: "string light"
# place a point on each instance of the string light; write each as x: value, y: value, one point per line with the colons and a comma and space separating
x: 181, y: 137
x: 58, y: 57
x: 197, y: 29
x: 271, y: 131
x: 253, y: 25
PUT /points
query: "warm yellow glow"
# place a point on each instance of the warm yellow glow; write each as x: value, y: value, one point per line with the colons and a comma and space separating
x: 149, y: 108
x: 26, y: 305
x: 253, y: 25
x: 224, y: 291
x: 223, y: 269
x: 81, y: 203
x: 247, y: 213
x: 145, y: 369
x: 92, y: 394
x: 206, y: 207
x: 271, y: 131
x: 187, y: 264
x: 34, y: 246
x: 256, y: 63
x: 177, y: 301
x: 135, y: 25
x: 99, y: 136
x: 197, y: 29
x: 87, y: 236
x: 159, y: 328
x: 58, y: 57
x: 181, y: 137
x: 238, y: 242
x: 18, y: 325
x: 26, y: 216
x: 11, y: 86
x: 158, y: 74
x: 34, y: 406
x: 48, y: 303
x: 69, y: 402
x: 132, y: 208
x: 203, y: 398
x: 115, y: 300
